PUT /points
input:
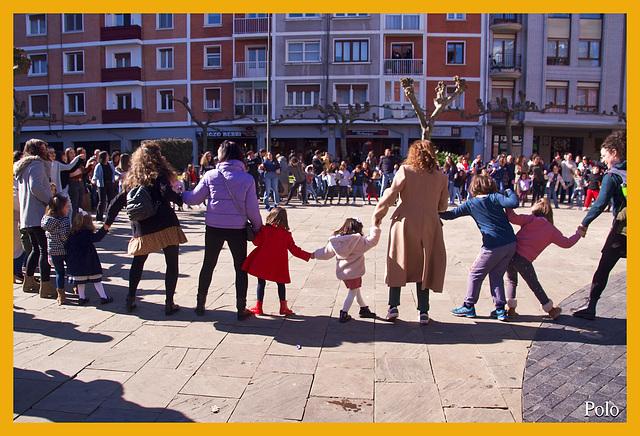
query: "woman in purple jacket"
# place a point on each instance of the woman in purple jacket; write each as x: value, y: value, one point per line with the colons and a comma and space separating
x: 232, y: 200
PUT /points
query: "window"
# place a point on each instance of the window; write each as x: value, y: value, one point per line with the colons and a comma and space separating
x: 212, y: 99
x: 165, y: 58
x: 588, y: 97
x: 75, y: 103
x: 74, y: 62
x: 255, y: 15
x: 458, y: 103
x: 351, y: 51
x: 557, y: 52
x: 589, y: 53
x: 39, y: 104
x: 456, y: 17
x: 165, y: 100
x: 165, y: 21
x: 122, y: 19
x: 124, y: 101
x: 502, y: 90
x: 303, y: 95
x: 36, y: 25
x: 213, y: 19
x: 393, y: 92
x: 38, y: 65
x: 559, y: 15
x: 303, y: 16
x: 503, y: 55
x: 351, y: 15
x: 212, y: 56
x: 122, y: 60
x: 402, y: 22
x: 72, y: 22
x: 556, y: 97
x: 251, y: 98
x: 303, y: 51
x: 351, y: 94
x: 455, y: 52
x: 591, y: 16
x: 505, y: 18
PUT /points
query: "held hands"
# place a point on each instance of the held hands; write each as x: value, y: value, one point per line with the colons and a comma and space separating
x: 582, y: 231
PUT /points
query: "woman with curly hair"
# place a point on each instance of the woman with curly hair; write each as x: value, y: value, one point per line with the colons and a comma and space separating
x: 159, y: 232
x: 416, y: 251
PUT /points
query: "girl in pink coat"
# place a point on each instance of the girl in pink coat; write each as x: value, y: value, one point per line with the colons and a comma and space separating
x: 536, y: 233
x: 348, y: 245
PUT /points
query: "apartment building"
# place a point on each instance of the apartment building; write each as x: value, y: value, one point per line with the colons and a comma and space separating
x: 574, y: 63
x: 239, y: 70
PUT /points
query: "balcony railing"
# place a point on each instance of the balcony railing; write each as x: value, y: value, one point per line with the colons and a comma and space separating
x: 250, y: 69
x: 250, y: 25
x: 402, y: 66
x: 121, y: 74
x: 502, y: 61
x: 116, y: 33
x: 504, y: 18
x: 111, y: 116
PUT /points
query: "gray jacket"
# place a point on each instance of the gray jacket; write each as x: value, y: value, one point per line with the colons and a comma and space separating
x: 297, y: 172
x: 34, y: 189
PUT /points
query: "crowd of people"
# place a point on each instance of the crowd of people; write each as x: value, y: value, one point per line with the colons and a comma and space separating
x: 56, y: 229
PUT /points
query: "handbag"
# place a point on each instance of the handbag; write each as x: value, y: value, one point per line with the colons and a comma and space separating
x: 251, y: 235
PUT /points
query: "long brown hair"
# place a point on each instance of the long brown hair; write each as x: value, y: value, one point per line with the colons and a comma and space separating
x: 351, y: 226
x: 422, y: 155
x: 278, y: 218
x: 543, y: 208
x: 147, y: 163
x: 482, y: 184
x: 33, y: 147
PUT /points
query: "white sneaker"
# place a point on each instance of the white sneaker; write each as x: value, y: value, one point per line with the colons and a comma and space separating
x: 392, y: 313
x: 424, y: 318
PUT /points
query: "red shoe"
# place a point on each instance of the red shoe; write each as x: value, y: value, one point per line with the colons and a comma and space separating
x: 258, y: 309
x: 284, y: 310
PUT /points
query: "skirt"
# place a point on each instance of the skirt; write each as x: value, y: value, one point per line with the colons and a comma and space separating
x: 80, y: 280
x: 157, y: 241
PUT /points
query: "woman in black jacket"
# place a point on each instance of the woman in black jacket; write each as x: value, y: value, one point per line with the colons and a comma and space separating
x: 159, y: 232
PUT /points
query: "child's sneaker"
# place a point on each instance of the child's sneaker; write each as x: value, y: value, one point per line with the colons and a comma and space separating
x: 344, y: 316
x: 555, y: 312
x: 469, y: 312
x: 500, y: 314
x: 366, y: 313
x: 106, y: 300
x: 392, y: 313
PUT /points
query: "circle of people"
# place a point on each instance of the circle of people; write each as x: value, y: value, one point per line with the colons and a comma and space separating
x: 55, y: 231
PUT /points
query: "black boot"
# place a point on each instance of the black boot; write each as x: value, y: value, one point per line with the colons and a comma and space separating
x: 200, y: 303
x: 588, y: 311
x: 131, y: 303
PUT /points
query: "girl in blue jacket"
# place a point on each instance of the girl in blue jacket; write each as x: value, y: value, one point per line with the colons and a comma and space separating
x: 486, y: 207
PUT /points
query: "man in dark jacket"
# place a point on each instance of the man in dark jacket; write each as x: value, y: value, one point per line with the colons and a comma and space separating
x: 387, y: 163
x: 300, y: 179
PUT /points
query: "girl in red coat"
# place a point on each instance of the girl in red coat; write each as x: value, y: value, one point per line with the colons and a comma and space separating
x: 270, y: 260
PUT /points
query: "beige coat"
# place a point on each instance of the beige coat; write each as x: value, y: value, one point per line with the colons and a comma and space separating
x: 416, y: 249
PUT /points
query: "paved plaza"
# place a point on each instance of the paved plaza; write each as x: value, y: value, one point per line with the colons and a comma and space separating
x: 98, y: 363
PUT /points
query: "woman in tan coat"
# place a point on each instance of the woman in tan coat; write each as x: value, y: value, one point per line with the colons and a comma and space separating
x: 416, y: 251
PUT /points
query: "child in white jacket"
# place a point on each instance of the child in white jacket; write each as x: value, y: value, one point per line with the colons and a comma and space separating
x: 348, y: 245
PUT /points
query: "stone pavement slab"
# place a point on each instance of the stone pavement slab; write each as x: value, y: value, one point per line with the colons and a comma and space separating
x: 308, y: 367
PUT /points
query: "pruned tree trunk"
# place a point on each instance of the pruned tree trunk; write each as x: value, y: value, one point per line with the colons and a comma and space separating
x: 441, y: 102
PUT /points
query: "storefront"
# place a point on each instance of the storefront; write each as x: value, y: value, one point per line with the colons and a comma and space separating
x: 247, y: 140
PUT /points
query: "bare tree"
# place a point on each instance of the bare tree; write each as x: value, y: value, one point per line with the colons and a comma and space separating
x: 441, y: 102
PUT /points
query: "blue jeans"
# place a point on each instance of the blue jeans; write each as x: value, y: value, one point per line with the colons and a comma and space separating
x: 386, y: 178
x: 521, y: 265
x: 552, y: 194
x: 357, y: 189
x: 58, y: 266
x: 494, y: 263
x: 270, y: 184
x: 578, y: 196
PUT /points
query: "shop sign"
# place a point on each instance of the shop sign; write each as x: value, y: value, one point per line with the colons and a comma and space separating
x: 447, y: 131
x: 367, y: 133
x: 227, y: 134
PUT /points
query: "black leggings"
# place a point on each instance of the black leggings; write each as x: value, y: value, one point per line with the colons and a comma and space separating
x: 423, y: 297
x: 170, y: 277
x: 282, y: 290
x: 615, y: 248
x: 214, y: 239
x: 39, y: 253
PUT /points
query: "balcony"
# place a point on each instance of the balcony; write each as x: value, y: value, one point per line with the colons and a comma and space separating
x: 394, y: 67
x: 250, y: 69
x: 243, y: 26
x: 116, y: 33
x: 112, y: 116
x: 121, y: 74
x: 505, y: 23
x: 505, y: 66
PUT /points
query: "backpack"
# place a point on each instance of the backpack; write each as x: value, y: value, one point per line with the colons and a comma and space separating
x: 621, y: 217
x: 140, y: 204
